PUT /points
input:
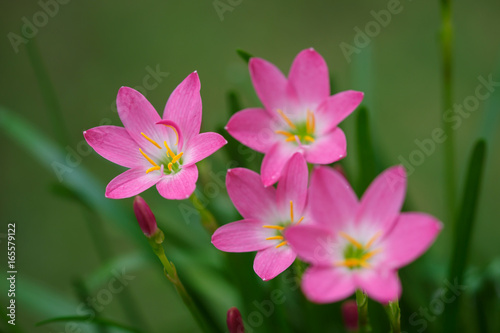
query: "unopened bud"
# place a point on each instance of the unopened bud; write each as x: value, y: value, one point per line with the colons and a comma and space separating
x: 234, y: 321
x: 350, y: 315
x: 145, y: 217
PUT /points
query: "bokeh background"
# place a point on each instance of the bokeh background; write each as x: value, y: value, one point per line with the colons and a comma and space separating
x: 66, y: 249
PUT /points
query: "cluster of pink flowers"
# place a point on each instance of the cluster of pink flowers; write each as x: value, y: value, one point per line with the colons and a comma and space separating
x: 349, y: 243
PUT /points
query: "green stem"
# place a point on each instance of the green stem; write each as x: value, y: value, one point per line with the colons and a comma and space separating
x: 363, y: 320
x: 449, y: 145
x: 206, y: 217
x: 171, y: 273
x: 394, y: 315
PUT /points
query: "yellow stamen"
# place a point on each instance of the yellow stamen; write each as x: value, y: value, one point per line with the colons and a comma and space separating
x: 370, y: 254
x: 153, y: 169
x: 350, y: 262
x: 364, y: 264
x: 311, y: 122
x: 309, y: 138
x: 281, y: 244
x: 176, y: 134
x: 151, y: 140
x: 285, y: 133
x: 170, y: 166
x: 277, y: 227
x: 290, y: 138
x: 300, y: 220
x: 147, y: 157
x: 373, y: 239
x: 291, y: 211
x: 169, y: 151
x: 177, y: 157
x: 288, y: 121
x: 351, y: 240
x: 274, y: 237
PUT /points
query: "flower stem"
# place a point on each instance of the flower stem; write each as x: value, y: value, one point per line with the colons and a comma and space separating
x: 171, y: 273
x: 363, y: 321
x: 207, y: 218
x: 449, y: 145
x: 394, y: 315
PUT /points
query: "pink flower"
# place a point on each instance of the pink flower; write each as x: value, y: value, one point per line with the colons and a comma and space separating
x: 267, y: 212
x: 299, y: 114
x: 359, y: 244
x: 157, y: 151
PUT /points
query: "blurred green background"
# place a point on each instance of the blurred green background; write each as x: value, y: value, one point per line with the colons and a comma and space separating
x: 90, y: 49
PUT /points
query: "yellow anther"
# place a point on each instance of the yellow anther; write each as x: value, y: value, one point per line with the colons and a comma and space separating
x: 281, y: 244
x: 177, y: 157
x: 147, y: 157
x: 176, y: 134
x: 277, y: 227
x: 153, y: 169
x: 274, y: 237
x: 310, y: 122
x: 351, y: 240
x: 300, y: 220
x: 309, y: 138
x: 291, y: 211
x: 288, y: 121
x: 151, y: 140
x: 364, y: 264
x: 169, y: 151
x: 370, y: 254
x: 285, y: 133
x: 290, y: 138
x: 170, y: 166
x: 373, y: 239
x: 350, y: 262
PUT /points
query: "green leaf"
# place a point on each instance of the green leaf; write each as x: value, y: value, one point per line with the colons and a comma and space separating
x: 244, y: 55
x: 94, y: 321
x: 463, y: 229
x: 366, y: 153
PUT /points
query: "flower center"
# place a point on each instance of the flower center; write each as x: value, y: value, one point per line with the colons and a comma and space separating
x: 172, y: 160
x: 280, y: 227
x: 301, y: 133
x: 356, y: 255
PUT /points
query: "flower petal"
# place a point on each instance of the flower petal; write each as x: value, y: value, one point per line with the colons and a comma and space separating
x: 327, y: 284
x: 336, y: 108
x: 270, y: 84
x: 292, y: 186
x: 412, y: 234
x: 383, y: 286
x: 332, y: 201
x: 313, y: 244
x: 180, y: 185
x: 115, y: 144
x: 201, y: 146
x: 253, y: 128
x: 184, y: 106
x: 249, y: 196
x: 272, y: 261
x: 242, y: 236
x: 274, y: 162
x: 327, y: 148
x: 131, y: 182
x: 382, y: 201
x: 309, y: 75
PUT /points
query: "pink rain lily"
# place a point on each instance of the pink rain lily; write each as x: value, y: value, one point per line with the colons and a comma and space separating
x: 298, y: 115
x: 157, y: 151
x: 267, y: 212
x: 359, y: 244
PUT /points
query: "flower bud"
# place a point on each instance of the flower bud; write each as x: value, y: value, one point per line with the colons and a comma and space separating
x: 234, y: 321
x: 145, y: 217
x: 350, y: 315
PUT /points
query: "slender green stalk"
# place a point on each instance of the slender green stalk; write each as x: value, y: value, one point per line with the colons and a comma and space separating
x: 447, y: 89
x: 394, y: 315
x: 363, y: 320
x: 170, y: 271
x: 206, y: 217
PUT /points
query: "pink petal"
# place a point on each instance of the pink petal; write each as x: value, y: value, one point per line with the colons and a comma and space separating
x: 249, y: 196
x: 180, y: 185
x: 327, y: 148
x: 253, y: 128
x: 292, y: 186
x: 184, y: 106
x: 270, y: 84
x: 175, y: 136
x: 412, y: 234
x: 382, y: 201
x: 327, y: 284
x: 336, y: 108
x: 383, y: 286
x: 201, y: 146
x: 272, y: 261
x: 242, y: 236
x: 332, y: 201
x: 309, y: 75
x: 138, y: 115
x: 313, y: 244
x: 274, y: 162
x: 130, y: 183
x: 115, y: 144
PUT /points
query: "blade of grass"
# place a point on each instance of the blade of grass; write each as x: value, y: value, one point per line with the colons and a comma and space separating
x: 366, y: 152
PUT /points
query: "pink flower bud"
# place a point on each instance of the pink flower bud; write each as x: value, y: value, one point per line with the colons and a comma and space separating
x: 234, y: 321
x: 350, y: 315
x: 145, y: 217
